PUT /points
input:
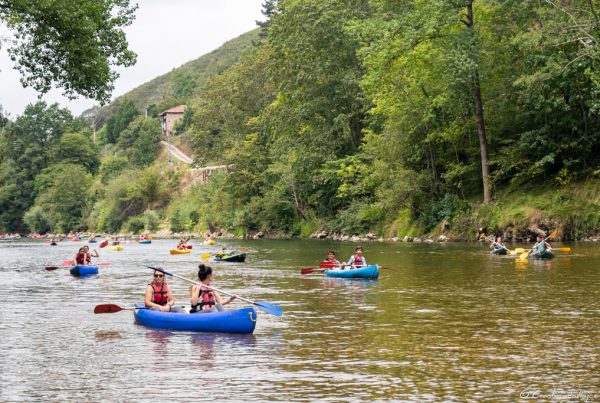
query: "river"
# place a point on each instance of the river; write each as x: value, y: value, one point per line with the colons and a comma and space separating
x: 443, y: 322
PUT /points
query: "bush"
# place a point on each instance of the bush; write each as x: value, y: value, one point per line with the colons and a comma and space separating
x: 37, y: 221
x: 151, y: 220
x: 135, y: 225
x: 444, y: 209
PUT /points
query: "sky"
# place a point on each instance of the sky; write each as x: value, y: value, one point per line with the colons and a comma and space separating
x: 165, y: 35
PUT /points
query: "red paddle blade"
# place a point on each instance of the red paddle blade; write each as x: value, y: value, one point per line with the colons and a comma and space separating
x: 307, y: 270
x: 51, y: 267
x: 104, y: 264
x: 67, y: 263
x: 324, y: 265
x: 103, y: 244
x: 108, y: 308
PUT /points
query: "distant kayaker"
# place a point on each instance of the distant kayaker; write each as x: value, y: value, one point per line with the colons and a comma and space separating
x: 357, y: 260
x: 79, y: 257
x: 331, y: 258
x: 540, y: 247
x: 182, y: 244
x: 89, y: 255
x: 159, y: 296
x: 204, y: 299
x: 497, y: 245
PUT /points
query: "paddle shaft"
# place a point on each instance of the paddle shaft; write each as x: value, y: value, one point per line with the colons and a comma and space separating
x: 207, y: 286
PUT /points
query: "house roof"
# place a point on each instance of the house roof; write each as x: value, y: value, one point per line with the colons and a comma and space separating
x: 175, y: 109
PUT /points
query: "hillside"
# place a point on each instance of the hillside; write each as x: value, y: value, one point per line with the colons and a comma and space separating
x: 202, y: 69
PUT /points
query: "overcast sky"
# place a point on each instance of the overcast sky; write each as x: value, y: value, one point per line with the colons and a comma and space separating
x: 165, y: 35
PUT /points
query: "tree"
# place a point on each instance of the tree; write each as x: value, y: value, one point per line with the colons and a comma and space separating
x: 126, y: 112
x: 140, y: 141
x: 76, y: 149
x: 24, y: 152
x: 71, y: 46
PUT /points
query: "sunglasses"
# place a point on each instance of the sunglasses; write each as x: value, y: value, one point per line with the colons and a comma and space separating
x: 158, y: 275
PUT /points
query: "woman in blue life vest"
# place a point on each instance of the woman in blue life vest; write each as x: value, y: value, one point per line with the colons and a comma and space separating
x: 357, y: 260
x: 159, y: 296
x: 204, y: 299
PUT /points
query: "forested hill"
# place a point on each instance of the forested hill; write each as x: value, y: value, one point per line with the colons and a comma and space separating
x: 180, y: 82
x: 433, y: 117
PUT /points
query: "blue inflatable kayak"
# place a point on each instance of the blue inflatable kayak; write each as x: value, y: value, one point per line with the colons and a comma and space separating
x: 364, y: 272
x: 81, y: 270
x: 238, y: 321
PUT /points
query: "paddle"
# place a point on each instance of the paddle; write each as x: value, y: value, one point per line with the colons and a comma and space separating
x: 265, y: 306
x: 526, y: 254
x: 205, y: 256
x: 521, y: 250
x: 104, y: 243
x: 112, y: 308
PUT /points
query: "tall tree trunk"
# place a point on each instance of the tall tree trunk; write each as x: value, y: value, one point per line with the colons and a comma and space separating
x: 483, y: 146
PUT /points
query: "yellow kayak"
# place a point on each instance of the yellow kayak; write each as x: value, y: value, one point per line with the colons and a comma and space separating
x: 116, y: 248
x: 209, y: 242
x: 179, y: 251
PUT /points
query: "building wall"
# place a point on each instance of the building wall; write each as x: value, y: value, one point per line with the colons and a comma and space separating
x: 168, y: 122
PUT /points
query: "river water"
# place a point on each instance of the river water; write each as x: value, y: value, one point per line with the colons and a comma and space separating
x: 445, y: 322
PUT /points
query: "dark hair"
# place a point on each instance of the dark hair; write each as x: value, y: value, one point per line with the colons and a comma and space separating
x: 357, y: 248
x: 330, y: 251
x: 81, y: 250
x: 204, y: 271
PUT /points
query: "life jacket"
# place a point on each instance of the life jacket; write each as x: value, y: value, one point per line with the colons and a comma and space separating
x: 80, y: 258
x: 206, y: 298
x: 359, y: 260
x: 541, y: 247
x: 160, y: 295
x: 331, y: 261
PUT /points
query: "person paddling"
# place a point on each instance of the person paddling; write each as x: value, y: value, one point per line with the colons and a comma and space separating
x: 182, y: 244
x: 497, y: 247
x: 79, y: 257
x: 89, y: 255
x: 159, y: 296
x: 540, y: 247
x: 205, y: 300
x: 357, y: 260
x: 331, y: 259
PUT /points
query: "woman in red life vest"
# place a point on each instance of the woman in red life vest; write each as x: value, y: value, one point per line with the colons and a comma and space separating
x: 357, y: 260
x: 331, y: 258
x: 205, y: 299
x: 159, y: 296
x: 79, y: 257
x: 89, y: 255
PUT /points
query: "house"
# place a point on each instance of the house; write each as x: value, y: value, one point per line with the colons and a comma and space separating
x: 170, y: 116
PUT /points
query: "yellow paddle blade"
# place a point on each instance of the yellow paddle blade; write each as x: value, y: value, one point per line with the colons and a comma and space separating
x: 563, y: 249
x: 512, y: 252
x: 520, y: 250
x: 552, y: 234
x: 524, y: 255
x: 244, y: 249
x: 205, y: 256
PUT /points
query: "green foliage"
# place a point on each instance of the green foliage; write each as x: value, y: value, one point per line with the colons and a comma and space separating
x: 437, y: 211
x: 58, y: 45
x: 135, y: 225
x: 139, y: 141
x: 63, y: 191
x: 112, y: 167
x: 184, y: 83
x: 75, y: 148
x: 37, y: 220
x: 176, y: 221
x: 117, y: 123
x: 151, y: 220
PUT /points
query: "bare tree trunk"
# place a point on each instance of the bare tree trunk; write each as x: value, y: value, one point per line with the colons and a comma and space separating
x: 487, y: 192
